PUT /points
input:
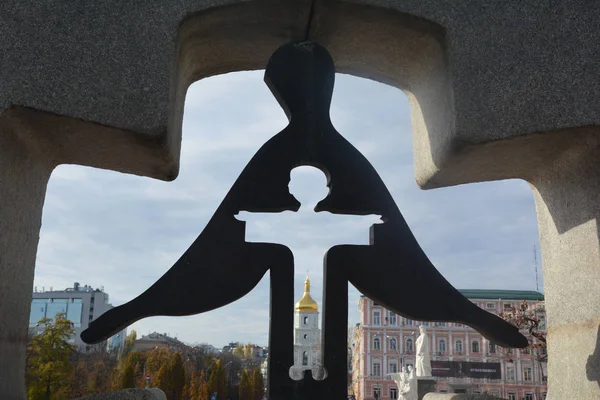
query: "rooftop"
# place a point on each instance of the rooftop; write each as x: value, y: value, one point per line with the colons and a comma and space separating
x: 494, y: 294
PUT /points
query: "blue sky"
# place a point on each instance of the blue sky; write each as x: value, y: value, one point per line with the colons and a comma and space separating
x: 122, y: 232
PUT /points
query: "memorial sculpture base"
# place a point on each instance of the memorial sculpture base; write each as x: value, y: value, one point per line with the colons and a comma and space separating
x: 425, y: 384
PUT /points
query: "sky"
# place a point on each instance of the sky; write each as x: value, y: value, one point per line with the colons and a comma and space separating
x: 123, y: 232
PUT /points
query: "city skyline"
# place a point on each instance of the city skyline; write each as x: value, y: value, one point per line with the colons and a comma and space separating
x: 123, y: 232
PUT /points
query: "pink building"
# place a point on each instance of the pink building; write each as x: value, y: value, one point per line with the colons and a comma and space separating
x: 462, y: 360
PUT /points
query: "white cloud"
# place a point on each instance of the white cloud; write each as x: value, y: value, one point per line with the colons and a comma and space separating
x: 123, y: 232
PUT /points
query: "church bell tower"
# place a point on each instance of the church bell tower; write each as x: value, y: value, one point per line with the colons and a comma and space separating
x: 307, y: 335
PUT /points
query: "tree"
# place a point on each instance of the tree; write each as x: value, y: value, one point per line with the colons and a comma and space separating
x: 127, y: 379
x: 129, y: 341
x: 239, y: 351
x: 192, y: 391
x: 530, y: 323
x: 177, y: 377
x: 128, y: 373
x: 48, y: 360
x: 162, y: 378
x: 258, y: 385
x: 217, y: 382
x: 203, y: 387
x: 155, y: 359
x: 245, y: 387
x: 248, y: 350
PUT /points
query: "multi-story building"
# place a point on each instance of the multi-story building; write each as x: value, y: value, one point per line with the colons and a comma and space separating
x: 307, y: 335
x: 462, y: 360
x: 81, y: 305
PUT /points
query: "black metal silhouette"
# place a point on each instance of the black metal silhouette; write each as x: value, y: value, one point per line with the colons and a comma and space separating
x: 221, y: 267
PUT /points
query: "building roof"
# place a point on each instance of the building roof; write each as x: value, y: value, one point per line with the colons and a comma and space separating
x: 498, y: 294
x: 306, y: 303
x: 502, y: 294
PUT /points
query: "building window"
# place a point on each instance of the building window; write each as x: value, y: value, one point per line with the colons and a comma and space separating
x: 425, y: 323
x: 512, y: 396
x: 376, y: 343
x: 527, y: 350
x: 376, y: 369
x: 393, y: 368
x: 510, y: 373
x: 459, y: 347
x: 376, y: 318
x: 492, y: 348
x: 409, y: 322
x: 393, y: 393
x: 377, y: 392
x: 409, y: 345
x: 542, y: 324
x: 527, y: 374
x: 490, y: 306
x: 475, y: 347
x: 305, y: 358
x: 442, y: 346
x: 528, y: 396
x: 393, y: 344
x: 305, y: 320
x: 305, y: 336
x: 442, y: 324
x: 392, y: 318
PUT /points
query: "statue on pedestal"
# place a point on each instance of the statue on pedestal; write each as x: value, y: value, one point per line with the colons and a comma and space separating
x: 423, y: 355
x: 407, y: 384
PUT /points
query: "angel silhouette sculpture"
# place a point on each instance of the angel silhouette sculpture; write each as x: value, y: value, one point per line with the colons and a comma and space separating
x: 301, y: 77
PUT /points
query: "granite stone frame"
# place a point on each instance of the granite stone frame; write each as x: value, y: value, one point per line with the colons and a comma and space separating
x: 498, y: 90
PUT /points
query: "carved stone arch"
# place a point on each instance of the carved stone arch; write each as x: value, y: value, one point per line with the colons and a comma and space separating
x: 395, y: 48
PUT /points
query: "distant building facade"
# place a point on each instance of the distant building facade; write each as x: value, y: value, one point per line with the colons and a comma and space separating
x: 307, y: 335
x: 81, y: 305
x: 462, y: 360
x: 158, y: 340
x: 207, y: 349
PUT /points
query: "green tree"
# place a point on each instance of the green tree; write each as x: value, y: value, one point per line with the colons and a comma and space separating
x: 129, y: 341
x: 177, y: 377
x: 127, y: 377
x: 245, y: 387
x: 258, y: 385
x: 248, y: 350
x: 128, y: 372
x: 239, y: 351
x: 217, y: 382
x: 48, y: 360
x: 162, y: 378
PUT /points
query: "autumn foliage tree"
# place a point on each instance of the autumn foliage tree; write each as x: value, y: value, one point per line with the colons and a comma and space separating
x: 258, y: 385
x: 530, y: 322
x: 49, y: 365
x: 217, y: 382
x: 245, y: 387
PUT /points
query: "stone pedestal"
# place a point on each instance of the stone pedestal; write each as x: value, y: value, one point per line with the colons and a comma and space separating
x: 23, y: 180
x: 425, y: 384
x: 568, y: 207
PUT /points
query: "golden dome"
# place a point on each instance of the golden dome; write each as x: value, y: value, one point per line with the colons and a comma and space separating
x: 307, y: 303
